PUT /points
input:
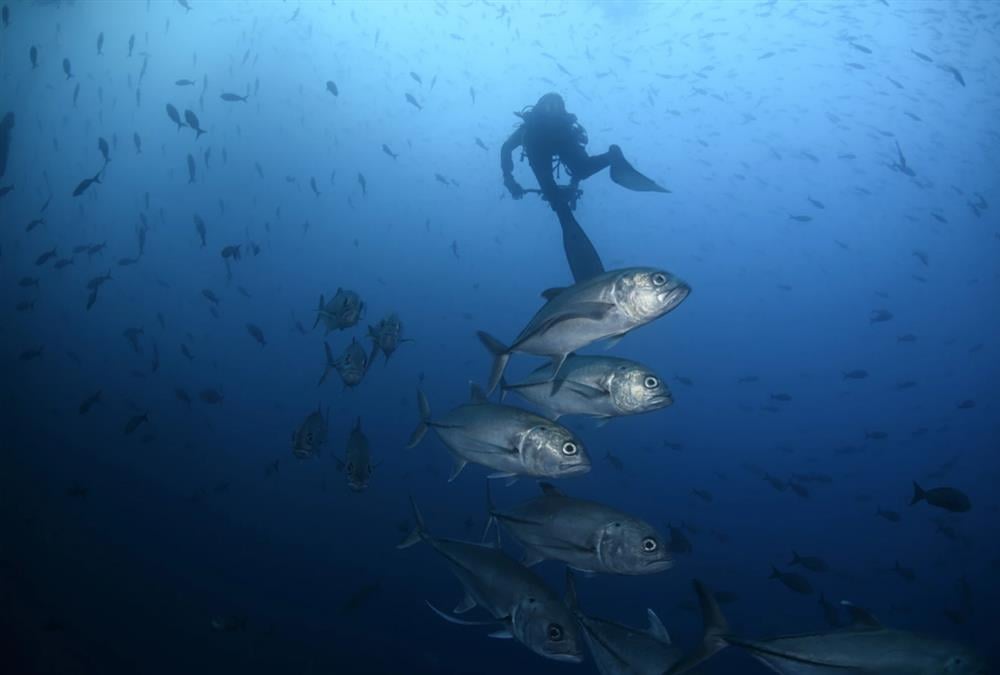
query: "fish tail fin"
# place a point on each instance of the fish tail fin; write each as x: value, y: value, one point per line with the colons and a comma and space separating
x: 918, y: 494
x: 425, y: 417
x: 501, y: 355
x: 572, y: 601
x: 419, y: 530
x: 198, y: 133
x: 319, y: 311
x: 491, y: 519
x: 714, y: 637
x: 775, y: 574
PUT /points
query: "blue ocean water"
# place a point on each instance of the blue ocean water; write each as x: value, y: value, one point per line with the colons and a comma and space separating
x: 832, y: 174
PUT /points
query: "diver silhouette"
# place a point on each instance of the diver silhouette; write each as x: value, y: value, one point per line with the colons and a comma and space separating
x: 549, y: 137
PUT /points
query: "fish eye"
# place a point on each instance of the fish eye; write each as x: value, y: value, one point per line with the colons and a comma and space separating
x: 649, y: 545
x: 659, y: 279
x: 569, y: 448
x: 555, y: 632
x: 651, y: 382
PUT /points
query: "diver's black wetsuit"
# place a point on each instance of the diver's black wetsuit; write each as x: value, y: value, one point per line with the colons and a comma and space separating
x: 549, y: 132
x: 544, y: 139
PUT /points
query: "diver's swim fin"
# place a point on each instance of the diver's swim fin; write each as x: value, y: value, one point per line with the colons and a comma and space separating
x: 627, y: 176
x: 584, y: 262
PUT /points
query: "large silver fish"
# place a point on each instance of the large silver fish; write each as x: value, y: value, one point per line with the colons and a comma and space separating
x: 596, y: 386
x: 516, y: 598
x: 864, y: 648
x: 311, y: 434
x: 358, y: 462
x: 351, y: 366
x: 511, y: 441
x: 386, y: 335
x: 587, y: 536
x: 344, y: 310
x: 621, y: 650
x: 604, y: 307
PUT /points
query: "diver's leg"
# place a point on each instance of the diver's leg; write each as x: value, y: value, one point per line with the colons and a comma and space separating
x: 581, y: 255
x: 582, y: 166
x: 584, y: 262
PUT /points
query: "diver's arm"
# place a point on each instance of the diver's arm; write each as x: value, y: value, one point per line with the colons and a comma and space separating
x: 515, y: 141
x: 507, y: 164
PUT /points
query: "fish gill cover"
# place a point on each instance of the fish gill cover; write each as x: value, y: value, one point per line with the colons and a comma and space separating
x: 329, y: 325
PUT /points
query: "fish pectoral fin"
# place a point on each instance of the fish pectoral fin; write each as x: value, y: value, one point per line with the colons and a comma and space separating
x: 612, y: 341
x: 457, y: 468
x: 465, y: 604
x: 593, y: 311
x: 586, y: 391
x: 550, y: 293
x: 502, y: 474
x: 461, y: 622
x: 502, y: 634
x: 656, y: 628
x: 531, y: 558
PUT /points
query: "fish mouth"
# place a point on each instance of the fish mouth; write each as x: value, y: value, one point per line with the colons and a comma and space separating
x: 660, y: 401
x: 568, y: 469
x: 566, y: 658
x: 674, y: 296
x: 658, y: 565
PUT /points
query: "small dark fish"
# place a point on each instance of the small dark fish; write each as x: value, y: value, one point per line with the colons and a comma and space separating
x: 25, y: 306
x: 31, y: 354
x: 360, y: 597
x: 332, y: 88
x: 922, y: 257
x: 86, y: 183
x: 89, y: 402
x: 908, y: 337
x: 131, y: 43
x: 793, y: 581
x: 210, y: 296
x: 184, y: 83
x: 67, y: 68
x: 257, y: 334
x: 312, y: 184
x: 388, y: 151
x: 33, y: 55
x: 416, y: 77
x: 880, y: 315
x: 192, y: 121
x: 891, y: 516
x: 363, y: 183
x: 480, y: 143
x: 102, y: 145
x: 905, y: 384
x: 905, y: 572
x: 922, y: 57
x: 28, y: 282
x: 860, y: 48
x: 233, y: 97
x: 138, y: 143
x: 199, y: 226
x: 855, y: 374
x: 949, y: 499
x: 876, y: 435
x: 210, y: 396
x: 174, y: 116
x: 191, y: 168
x: 614, y: 461
x: 100, y: 44
x: 954, y: 72
x: 811, y: 563
x: 45, y: 257
x: 412, y: 101
x: 801, y: 219
x: 815, y: 202
x: 704, y: 495
x: 765, y: 55
x: 136, y: 422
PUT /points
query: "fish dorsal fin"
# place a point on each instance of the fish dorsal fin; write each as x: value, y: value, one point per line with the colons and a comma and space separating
x: 860, y: 617
x: 476, y: 394
x: 550, y: 293
x: 550, y: 490
x: 467, y: 603
x: 656, y: 627
x: 457, y: 469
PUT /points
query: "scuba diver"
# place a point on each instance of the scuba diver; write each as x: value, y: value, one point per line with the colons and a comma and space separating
x: 550, y: 137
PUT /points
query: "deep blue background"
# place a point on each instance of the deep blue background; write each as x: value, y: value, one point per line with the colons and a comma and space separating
x: 743, y: 110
